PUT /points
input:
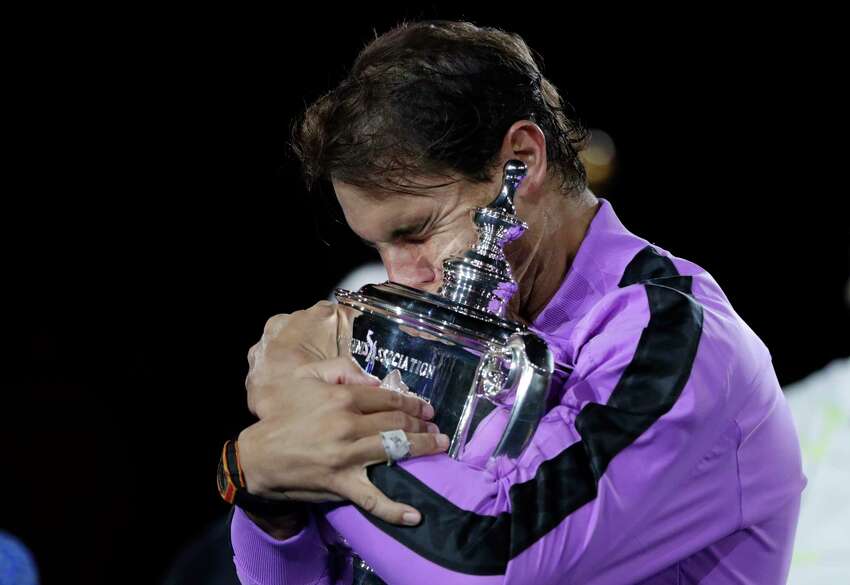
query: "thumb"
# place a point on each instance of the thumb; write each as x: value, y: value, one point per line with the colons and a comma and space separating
x: 372, y: 500
x: 341, y: 370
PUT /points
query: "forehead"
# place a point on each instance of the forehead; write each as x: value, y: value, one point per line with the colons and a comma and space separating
x: 375, y: 215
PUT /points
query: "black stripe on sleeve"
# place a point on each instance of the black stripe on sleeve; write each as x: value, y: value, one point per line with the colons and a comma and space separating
x: 649, y: 386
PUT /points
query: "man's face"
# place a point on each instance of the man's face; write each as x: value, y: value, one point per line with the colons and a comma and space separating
x: 415, y: 233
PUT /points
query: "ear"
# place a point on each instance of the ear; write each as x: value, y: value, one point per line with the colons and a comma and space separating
x: 525, y: 141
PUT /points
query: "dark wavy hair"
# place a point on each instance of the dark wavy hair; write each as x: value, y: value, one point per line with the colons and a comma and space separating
x: 435, y: 98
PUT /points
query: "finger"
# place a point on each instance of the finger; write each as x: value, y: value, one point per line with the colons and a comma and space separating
x: 371, y: 424
x: 372, y: 500
x: 369, y: 450
x: 313, y: 497
x: 341, y: 370
x: 369, y: 400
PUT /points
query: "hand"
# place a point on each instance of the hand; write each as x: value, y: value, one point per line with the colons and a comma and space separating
x: 289, y: 341
x: 322, y: 432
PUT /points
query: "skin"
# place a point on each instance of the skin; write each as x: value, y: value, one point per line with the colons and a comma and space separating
x: 319, y: 424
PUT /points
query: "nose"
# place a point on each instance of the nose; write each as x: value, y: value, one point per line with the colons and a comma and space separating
x: 406, y: 264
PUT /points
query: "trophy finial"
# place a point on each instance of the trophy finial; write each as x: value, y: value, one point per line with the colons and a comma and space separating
x: 512, y: 176
x: 482, y: 278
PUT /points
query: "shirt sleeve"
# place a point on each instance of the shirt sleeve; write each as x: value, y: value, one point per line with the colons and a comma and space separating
x: 261, y: 559
x: 630, y: 472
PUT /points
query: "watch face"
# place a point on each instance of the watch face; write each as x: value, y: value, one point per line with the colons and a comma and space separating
x: 219, y: 476
x: 220, y: 479
x: 225, y: 489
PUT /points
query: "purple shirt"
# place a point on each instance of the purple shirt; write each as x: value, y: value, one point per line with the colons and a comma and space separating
x: 671, y: 458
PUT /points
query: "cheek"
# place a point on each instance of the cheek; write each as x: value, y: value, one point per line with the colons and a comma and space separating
x: 454, y: 244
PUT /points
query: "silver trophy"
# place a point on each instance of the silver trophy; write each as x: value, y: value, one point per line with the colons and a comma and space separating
x: 456, y: 347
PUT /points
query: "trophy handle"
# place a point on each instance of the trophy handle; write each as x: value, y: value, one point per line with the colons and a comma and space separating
x: 529, y: 379
x: 530, y: 367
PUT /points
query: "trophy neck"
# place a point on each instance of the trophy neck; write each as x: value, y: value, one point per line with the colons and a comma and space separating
x: 482, y: 279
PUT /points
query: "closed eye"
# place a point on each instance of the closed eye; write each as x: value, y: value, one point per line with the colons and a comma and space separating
x: 415, y: 234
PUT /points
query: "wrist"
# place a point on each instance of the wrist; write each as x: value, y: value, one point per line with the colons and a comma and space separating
x: 251, y: 480
x: 232, y: 488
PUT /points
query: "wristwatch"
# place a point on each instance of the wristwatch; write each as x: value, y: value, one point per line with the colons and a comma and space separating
x: 231, y: 487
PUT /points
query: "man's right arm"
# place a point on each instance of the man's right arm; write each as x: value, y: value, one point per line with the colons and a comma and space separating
x: 336, y: 410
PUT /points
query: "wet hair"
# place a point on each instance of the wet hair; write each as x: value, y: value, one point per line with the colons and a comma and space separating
x: 435, y: 98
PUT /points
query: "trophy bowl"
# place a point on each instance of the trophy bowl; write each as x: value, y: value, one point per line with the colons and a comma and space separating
x: 452, y: 356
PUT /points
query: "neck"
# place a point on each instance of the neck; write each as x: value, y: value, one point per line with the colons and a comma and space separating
x: 562, y: 228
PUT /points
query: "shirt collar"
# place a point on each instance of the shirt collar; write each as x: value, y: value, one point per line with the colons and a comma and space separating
x: 597, y: 268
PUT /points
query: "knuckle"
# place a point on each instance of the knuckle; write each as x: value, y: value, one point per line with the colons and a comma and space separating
x: 344, y: 400
x: 336, y: 459
x: 324, y: 393
x: 417, y: 426
x: 275, y: 323
x: 414, y: 425
x: 399, y: 420
x: 344, y: 428
x: 252, y: 407
x: 431, y: 443
x: 343, y: 457
x: 258, y: 406
x: 422, y: 445
x: 369, y: 502
x: 415, y: 406
x: 323, y: 308
x: 395, y: 400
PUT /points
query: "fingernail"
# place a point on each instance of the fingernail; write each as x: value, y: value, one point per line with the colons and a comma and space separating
x: 411, y: 518
x: 428, y: 411
x: 432, y: 428
x: 442, y: 441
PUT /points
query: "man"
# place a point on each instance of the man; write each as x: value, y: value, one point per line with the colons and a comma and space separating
x: 671, y: 457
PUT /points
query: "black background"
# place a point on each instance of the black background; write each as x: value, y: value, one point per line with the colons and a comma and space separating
x: 152, y: 222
